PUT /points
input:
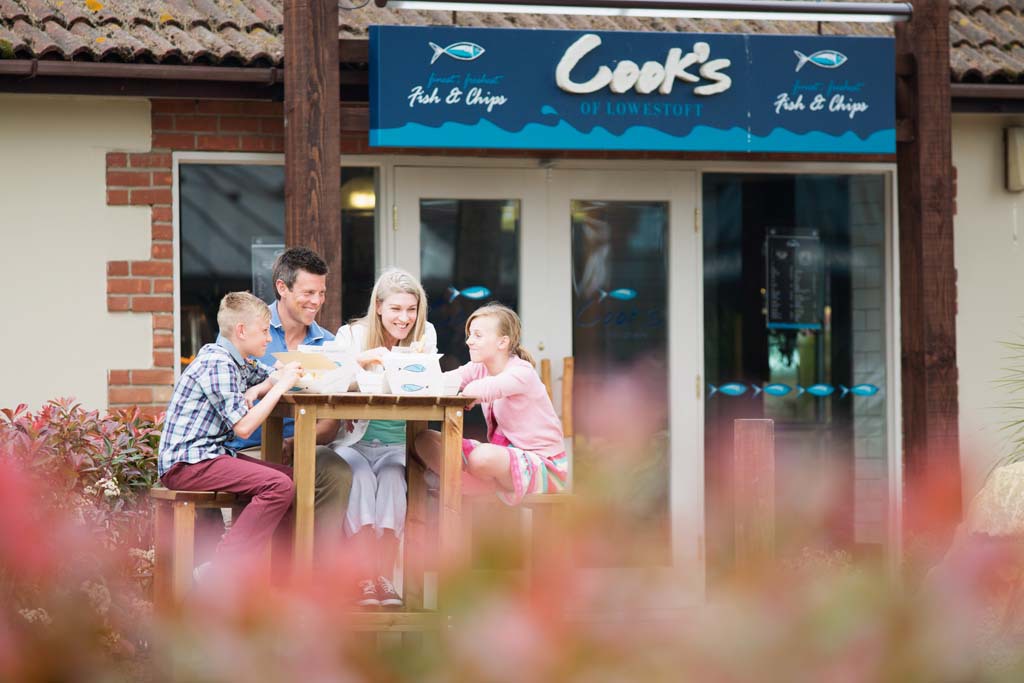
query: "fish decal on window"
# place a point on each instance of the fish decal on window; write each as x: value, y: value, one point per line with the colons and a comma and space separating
x: 859, y: 390
x: 819, y: 390
x: 826, y: 59
x: 779, y: 390
x: 730, y: 389
x: 621, y: 294
x: 773, y: 389
x: 462, y: 51
x: 476, y: 293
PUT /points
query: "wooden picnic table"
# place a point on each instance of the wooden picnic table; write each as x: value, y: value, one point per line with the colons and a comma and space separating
x: 307, y: 408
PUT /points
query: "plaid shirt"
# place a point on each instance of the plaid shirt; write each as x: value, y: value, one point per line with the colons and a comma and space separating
x: 207, y: 402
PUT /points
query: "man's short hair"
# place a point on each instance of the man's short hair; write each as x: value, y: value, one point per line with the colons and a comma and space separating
x: 291, y: 261
x: 240, y: 307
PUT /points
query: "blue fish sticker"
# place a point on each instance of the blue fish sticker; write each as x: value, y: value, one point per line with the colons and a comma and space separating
x: 773, y: 389
x: 730, y: 389
x: 859, y: 390
x: 819, y: 390
x: 621, y: 294
x: 415, y: 367
x: 476, y: 292
x: 412, y: 387
x: 462, y: 51
x: 826, y: 59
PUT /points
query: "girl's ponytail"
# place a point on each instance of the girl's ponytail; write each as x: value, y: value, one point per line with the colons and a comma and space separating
x: 521, y: 351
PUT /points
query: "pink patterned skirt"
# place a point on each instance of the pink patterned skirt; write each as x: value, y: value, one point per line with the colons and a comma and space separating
x: 531, y: 472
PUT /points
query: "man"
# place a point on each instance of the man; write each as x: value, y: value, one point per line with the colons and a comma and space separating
x: 300, y: 287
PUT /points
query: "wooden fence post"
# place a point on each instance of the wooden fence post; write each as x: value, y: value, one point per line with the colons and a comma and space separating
x: 754, y: 491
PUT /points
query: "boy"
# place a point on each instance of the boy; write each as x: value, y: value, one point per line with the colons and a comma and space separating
x: 212, y: 403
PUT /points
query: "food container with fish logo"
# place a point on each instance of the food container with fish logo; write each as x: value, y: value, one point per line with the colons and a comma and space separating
x: 414, y: 374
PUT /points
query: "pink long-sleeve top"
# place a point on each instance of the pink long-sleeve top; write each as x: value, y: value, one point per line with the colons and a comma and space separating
x: 515, y: 402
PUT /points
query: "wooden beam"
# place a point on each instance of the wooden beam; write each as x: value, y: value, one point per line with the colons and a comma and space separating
x: 754, y: 497
x: 931, y: 455
x: 312, y: 139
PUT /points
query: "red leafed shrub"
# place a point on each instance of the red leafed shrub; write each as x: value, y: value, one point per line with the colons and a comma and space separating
x: 75, y: 532
x: 100, y: 467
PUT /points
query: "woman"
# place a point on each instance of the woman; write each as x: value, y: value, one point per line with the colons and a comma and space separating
x: 396, y: 316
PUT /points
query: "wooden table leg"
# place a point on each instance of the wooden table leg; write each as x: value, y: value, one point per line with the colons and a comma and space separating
x: 450, y: 523
x: 270, y: 443
x: 414, y: 563
x: 304, y: 475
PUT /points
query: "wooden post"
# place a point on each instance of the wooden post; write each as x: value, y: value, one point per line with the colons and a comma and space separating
x: 450, y: 514
x: 163, y: 569
x: 545, y: 376
x: 931, y: 455
x: 754, y: 498
x: 312, y: 152
x: 568, y: 371
x: 304, y: 474
x: 415, y: 543
x: 271, y: 441
x: 183, y: 563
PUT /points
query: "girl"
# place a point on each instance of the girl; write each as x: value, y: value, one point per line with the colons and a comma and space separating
x: 526, y: 452
x: 375, y: 450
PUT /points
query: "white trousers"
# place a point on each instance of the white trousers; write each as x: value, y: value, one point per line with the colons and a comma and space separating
x: 378, y: 491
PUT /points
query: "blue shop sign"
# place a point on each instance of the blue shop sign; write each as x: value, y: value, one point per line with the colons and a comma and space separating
x: 540, y: 89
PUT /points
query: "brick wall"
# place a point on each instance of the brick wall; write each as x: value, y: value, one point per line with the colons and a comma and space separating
x: 144, y: 179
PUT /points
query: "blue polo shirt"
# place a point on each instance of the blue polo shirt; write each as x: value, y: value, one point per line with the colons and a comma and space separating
x: 315, y: 336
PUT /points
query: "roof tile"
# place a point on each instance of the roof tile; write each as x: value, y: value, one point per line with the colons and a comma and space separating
x: 986, y: 36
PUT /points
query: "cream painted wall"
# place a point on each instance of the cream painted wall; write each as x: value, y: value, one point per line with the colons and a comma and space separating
x: 989, y: 244
x: 56, y: 236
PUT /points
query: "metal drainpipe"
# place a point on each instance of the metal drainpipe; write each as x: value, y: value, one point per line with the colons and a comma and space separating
x: 36, y: 67
x: 897, y: 11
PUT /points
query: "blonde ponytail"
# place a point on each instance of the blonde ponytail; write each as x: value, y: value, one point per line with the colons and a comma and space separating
x: 525, y: 355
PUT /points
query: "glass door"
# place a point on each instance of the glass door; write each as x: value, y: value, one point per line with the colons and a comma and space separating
x: 603, y: 268
x: 472, y: 236
x: 625, y: 246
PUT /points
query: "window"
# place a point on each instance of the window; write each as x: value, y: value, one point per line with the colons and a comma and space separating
x: 232, y: 229
x: 795, y: 292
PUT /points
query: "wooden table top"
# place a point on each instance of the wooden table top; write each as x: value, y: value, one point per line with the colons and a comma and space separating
x: 359, y: 399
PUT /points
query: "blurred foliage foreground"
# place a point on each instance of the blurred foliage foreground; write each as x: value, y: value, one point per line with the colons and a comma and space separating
x: 75, y: 558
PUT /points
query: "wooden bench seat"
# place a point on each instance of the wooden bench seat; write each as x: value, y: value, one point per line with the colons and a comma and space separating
x: 175, y: 536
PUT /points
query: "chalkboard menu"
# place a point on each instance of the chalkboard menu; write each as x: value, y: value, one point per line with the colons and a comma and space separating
x: 796, y: 273
x: 263, y: 256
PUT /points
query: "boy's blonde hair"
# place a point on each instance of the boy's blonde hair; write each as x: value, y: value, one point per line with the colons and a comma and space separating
x: 393, y: 281
x: 240, y: 307
x: 509, y: 325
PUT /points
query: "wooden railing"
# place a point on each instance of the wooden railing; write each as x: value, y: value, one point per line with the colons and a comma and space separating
x: 568, y: 367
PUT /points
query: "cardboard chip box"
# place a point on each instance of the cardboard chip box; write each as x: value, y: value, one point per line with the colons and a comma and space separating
x: 414, y: 374
x: 322, y: 374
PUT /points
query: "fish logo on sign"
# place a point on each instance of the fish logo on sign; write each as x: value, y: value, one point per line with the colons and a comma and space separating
x: 826, y: 59
x: 462, y: 51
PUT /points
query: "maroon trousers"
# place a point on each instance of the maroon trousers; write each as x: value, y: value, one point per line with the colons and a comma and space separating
x: 269, y: 487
